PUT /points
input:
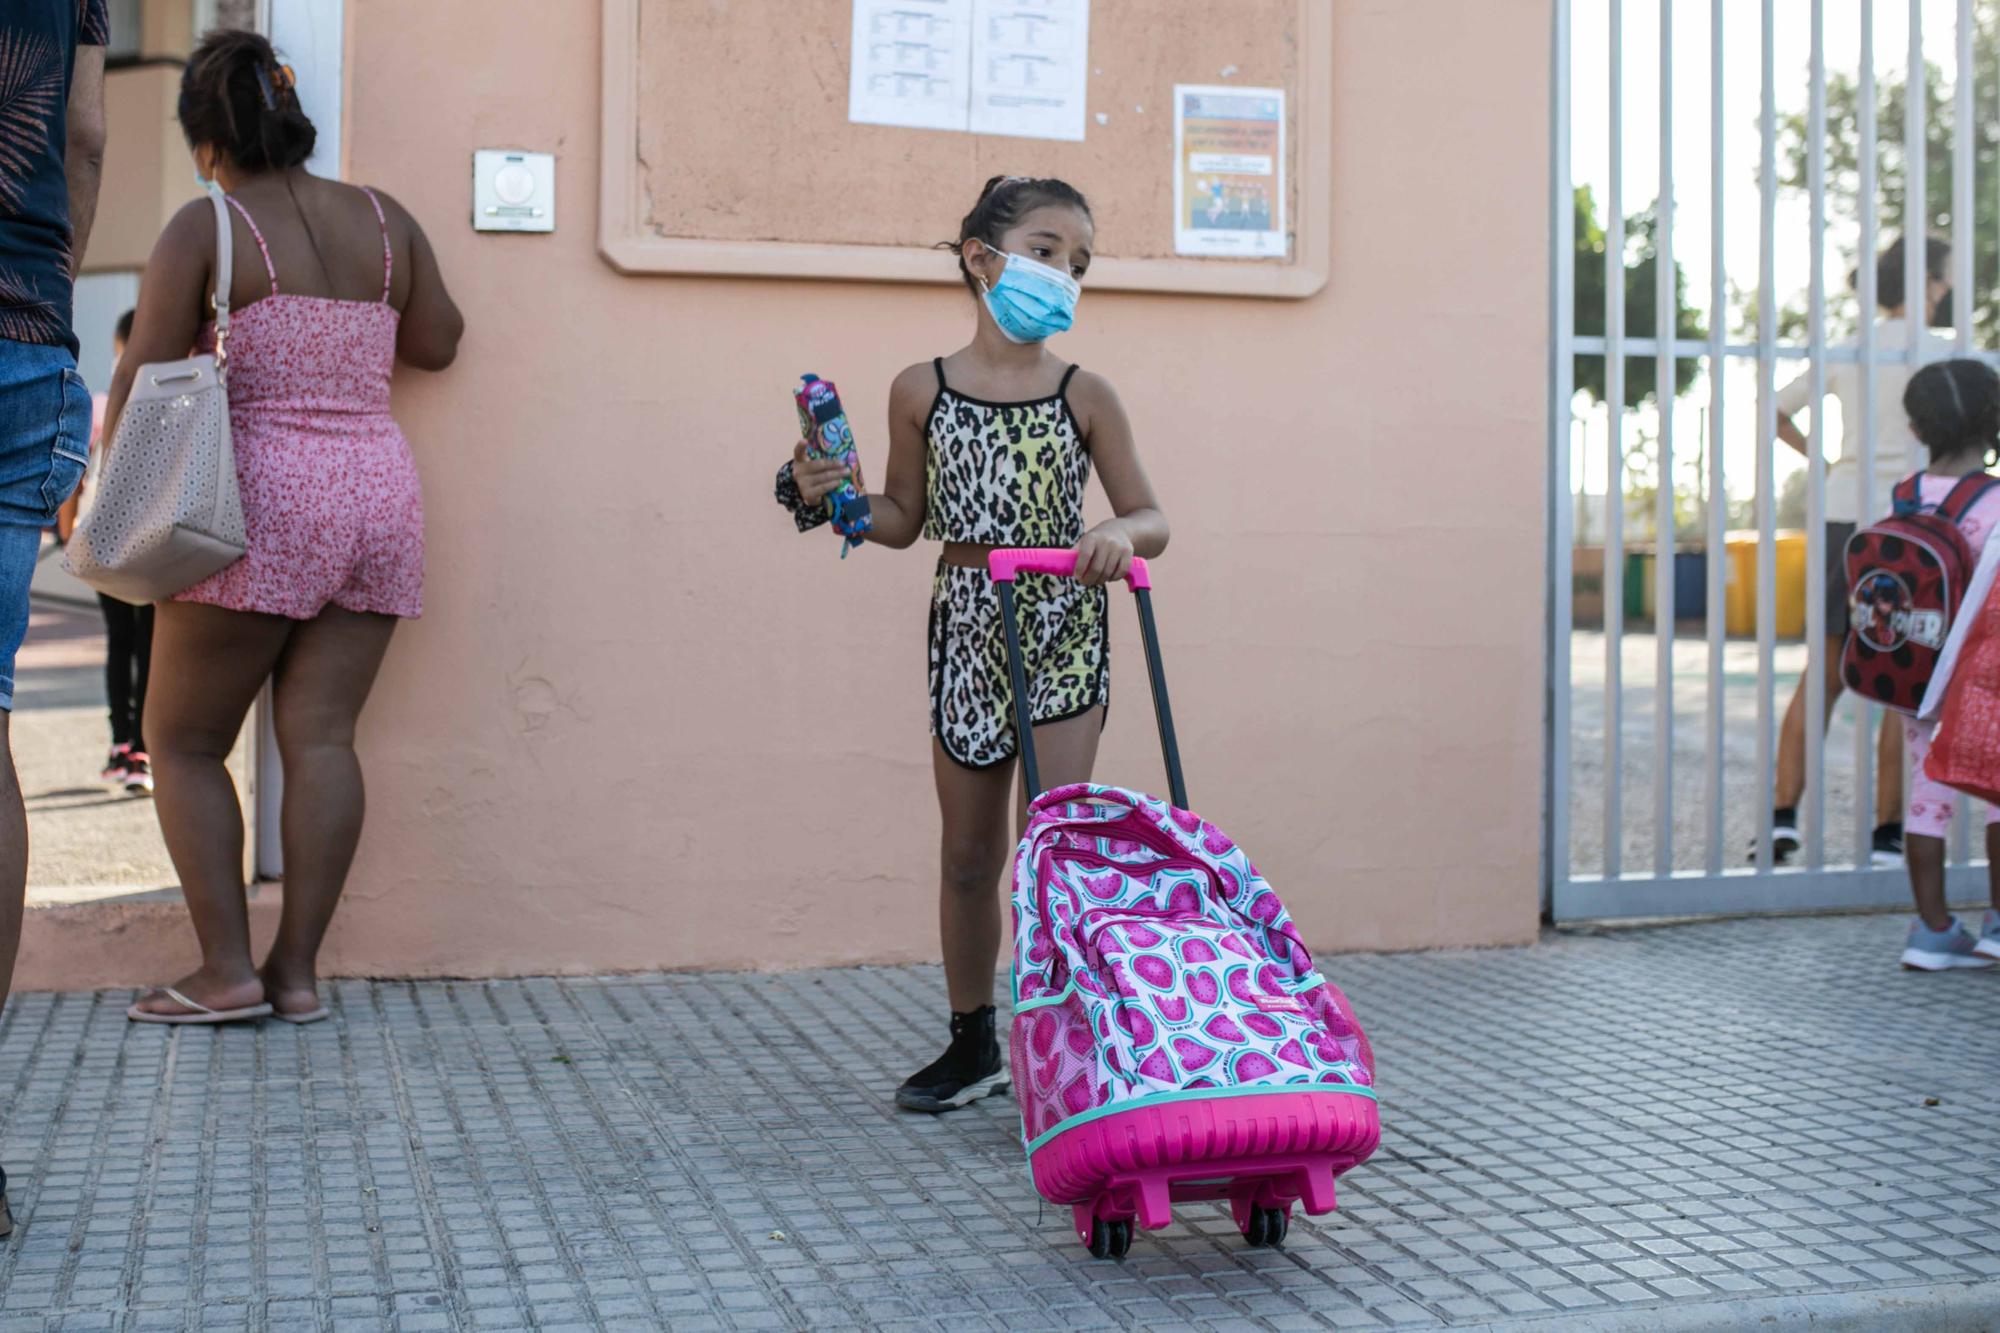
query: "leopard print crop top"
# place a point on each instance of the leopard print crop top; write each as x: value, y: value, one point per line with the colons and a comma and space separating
x: 1004, y: 474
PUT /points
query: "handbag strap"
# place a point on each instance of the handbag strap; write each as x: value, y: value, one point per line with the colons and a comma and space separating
x: 225, y: 270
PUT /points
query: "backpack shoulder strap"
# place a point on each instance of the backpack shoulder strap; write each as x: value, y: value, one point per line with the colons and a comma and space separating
x: 1909, y: 495
x: 1969, y: 491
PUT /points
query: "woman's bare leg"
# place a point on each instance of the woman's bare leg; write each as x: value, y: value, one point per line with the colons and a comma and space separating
x: 321, y: 683
x: 208, y: 664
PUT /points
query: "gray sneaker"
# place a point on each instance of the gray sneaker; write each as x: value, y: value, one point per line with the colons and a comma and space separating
x: 1929, y: 950
x: 1989, y: 935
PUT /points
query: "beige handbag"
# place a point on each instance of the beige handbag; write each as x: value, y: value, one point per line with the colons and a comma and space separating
x: 166, y: 512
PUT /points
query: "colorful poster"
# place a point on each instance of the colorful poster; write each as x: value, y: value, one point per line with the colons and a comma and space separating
x: 1229, y: 172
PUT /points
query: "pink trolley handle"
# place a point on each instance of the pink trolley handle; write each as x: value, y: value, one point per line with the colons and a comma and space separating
x: 1008, y: 563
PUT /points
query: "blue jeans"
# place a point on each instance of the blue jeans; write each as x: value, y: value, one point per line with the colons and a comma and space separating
x: 44, y: 446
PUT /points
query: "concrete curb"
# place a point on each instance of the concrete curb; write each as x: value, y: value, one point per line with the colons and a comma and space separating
x: 138, y: 940
x: 1943, y: 1307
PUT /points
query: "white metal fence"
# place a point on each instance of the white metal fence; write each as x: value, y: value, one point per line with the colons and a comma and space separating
x: 1694, y: 865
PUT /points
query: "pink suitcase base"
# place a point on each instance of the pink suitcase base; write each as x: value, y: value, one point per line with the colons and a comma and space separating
x: 1261, y: 1151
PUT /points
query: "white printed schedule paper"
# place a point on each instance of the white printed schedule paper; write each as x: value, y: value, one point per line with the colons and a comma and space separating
x: 911, y: 64
x: 1030, y: 62
x: 1014, y: 67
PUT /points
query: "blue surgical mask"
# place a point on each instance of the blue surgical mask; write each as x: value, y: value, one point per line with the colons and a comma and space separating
x: 1032, y: 301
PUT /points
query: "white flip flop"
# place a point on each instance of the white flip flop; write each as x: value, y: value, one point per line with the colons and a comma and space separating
x: 198, y: 1014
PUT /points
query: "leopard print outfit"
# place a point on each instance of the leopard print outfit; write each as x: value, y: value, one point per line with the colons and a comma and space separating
x: 1008, y: 474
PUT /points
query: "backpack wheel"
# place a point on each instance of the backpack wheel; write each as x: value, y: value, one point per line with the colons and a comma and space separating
x: 1267, y: 1226
x: 1100, y: 1238
x: 1121, y: 1238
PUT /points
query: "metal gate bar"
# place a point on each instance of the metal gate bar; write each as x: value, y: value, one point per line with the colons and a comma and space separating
x: 1718, y: 507
x: 1665, y: 321
x: 1614, y: 468
x: 1718, y: 885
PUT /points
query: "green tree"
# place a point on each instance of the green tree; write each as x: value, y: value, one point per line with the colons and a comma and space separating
x: 1843, y: 175
x: 1791, y: 512
x: 1642, y: 266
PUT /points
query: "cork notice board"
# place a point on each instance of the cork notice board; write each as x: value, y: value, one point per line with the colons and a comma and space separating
x: 727, y: 148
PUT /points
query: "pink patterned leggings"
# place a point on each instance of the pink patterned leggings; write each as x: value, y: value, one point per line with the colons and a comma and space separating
x: 1932, y: 804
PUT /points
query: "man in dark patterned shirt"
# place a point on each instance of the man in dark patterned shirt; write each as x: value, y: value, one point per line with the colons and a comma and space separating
x: 51, y: 151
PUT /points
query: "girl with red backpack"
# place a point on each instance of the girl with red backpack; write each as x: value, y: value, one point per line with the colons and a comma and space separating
x: 1954, y: 409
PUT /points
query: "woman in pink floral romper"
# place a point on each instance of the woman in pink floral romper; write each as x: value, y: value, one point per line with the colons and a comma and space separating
x: 332, y: 285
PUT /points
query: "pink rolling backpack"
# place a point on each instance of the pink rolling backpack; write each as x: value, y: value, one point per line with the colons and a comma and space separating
x: 1172, y: 1040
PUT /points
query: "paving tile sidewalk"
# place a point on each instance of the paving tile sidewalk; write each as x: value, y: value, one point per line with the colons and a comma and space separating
x: 1695, y: 1126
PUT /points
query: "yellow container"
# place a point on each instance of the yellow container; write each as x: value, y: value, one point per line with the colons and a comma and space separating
x: 1739, y: 588
x: 1740, y: 585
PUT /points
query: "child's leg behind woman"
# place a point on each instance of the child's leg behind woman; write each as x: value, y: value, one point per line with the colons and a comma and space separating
x: 120, y: 632
x: 142, y: 671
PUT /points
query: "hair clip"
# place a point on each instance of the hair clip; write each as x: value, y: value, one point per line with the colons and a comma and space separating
x: 269, y: 81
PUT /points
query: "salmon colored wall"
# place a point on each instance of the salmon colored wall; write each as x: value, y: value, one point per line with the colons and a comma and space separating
x: 645, y: 725
x: 146, y: 157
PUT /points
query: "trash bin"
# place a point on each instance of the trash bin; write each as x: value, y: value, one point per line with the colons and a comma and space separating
x: 1586, y: 569
x: 1740, y: 584
x: 1638, y: 584
x: 1739, y: 587
x: 1690, y: 585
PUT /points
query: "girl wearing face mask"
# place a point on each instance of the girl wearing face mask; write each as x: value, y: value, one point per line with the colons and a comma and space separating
x: 991, y: 446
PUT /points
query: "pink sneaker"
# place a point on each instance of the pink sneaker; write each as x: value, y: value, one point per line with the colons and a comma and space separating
x: 114, y: 767
x: 1989, y: 935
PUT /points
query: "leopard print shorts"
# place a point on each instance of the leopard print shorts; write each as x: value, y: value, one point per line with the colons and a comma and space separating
x: 1064, y: 640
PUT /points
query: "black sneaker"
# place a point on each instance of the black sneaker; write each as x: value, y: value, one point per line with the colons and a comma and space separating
x: 6, y: 1217
x: 1785, y: 839
x: 1888, y: 851
x: 969, y: 1069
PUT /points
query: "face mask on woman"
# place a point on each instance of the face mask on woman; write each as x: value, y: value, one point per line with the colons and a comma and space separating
x: 1031, y: 301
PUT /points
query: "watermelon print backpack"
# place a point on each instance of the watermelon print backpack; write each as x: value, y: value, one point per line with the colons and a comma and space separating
x: 1906, y: 576
x: 1171, y: 1038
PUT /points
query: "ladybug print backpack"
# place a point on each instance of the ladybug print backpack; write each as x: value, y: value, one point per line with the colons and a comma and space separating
x: 1905, y: 578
